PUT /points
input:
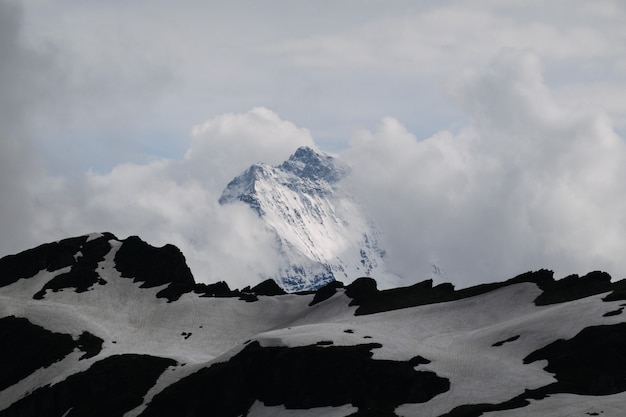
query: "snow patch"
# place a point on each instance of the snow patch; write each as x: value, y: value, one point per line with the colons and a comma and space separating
x: 258, y: 409
x: 93, y: 236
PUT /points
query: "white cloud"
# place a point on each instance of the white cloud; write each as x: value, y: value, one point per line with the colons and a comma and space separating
x: 176, y: 201
x: 25, y: 77
x: 531, y: 179
x: 226, y: 145
x: 140, y: 74
x: 459, y: 34
x: 529, y: 184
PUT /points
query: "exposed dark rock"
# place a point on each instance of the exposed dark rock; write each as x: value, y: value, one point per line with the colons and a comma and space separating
x: 476, y: 410
x: 574, y: 287
x: 154, y: 267
x: 299, y: 378
x: 542, y: 277
x: 591, y: 363
x: 90, y: 344
x: 418, y: 360
x: 362, y: 288
x: 370, y: 300
x: 268, y: 287
x: 510, y: 339
x: 364, y: 293
x: 218, y: 289
x: 326, y: 292
x: 26, y: 347
x: 83, y: 274
x: 50, y: 257
x: 618, y: 293
x: 109, y: 388
x: 614, y: 312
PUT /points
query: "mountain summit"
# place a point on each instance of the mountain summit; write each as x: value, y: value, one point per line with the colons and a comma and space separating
x: 321, y: 232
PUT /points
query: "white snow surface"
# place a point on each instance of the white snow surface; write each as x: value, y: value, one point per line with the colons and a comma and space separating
x: 457, y: 337
x: 260, y: 410
x: 566, y: 405
x: 320, y: 229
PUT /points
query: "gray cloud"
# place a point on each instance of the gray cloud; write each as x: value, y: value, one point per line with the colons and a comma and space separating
x: 48, y: 101
x: 176, y: 200
x: 529, y: 184
x: 520, y: 168
x: 156, y: 69
x: 22, y: 83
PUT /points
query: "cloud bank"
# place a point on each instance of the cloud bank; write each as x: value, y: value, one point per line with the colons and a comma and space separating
x: 530, y: 184
x: 176, y: 201
x: 523, y: 170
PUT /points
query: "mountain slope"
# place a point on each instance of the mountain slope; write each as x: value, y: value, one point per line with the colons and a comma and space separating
x: 123, y: 335
x: 321, y: 232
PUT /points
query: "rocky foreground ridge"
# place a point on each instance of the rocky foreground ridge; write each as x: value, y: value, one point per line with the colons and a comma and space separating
x: 98, y: 326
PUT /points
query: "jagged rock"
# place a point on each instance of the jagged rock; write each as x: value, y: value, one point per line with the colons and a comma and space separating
x: 267, y: 287
x: 154, y: 267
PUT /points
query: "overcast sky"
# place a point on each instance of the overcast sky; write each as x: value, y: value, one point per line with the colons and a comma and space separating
x: 485, y: 136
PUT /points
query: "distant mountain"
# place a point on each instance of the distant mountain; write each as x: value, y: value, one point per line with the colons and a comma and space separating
x: 97, y: 326
x: 321, y: 231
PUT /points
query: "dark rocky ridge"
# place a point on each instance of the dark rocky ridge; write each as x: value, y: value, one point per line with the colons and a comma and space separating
x: 49, y: 257
x: 152, y: 267
x: 147, y: 265
x: 592, y: 362
x: 370, y: 300
x: 83, y: 273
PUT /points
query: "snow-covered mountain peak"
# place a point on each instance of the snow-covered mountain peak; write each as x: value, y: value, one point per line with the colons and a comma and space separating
x: 243, y: 187
x: 308, y: 164
x: 305, y: 171
x: 321, y: 232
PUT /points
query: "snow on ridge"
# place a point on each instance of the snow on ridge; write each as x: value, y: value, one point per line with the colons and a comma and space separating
x: 479, y: 343
x: 93, y: 236
x: 459, y: 338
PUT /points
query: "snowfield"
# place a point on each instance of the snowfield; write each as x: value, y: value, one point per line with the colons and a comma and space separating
x: 164, y: 345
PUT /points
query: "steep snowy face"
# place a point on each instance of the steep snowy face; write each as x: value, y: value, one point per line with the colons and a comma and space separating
x: 312, y: 168
x: 321, y: 232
